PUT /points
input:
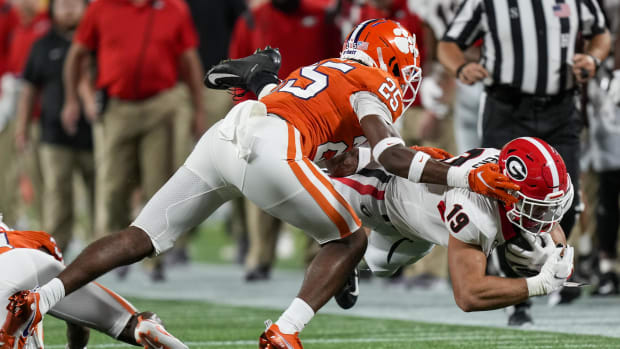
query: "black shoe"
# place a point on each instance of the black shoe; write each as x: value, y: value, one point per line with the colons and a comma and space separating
x: 347, y: 296
x: 521, y: 316
x: 260, y: 273
x: 607, y: 285
x: 569, y: 294
x: 250, y: 73
x: 159, y: 273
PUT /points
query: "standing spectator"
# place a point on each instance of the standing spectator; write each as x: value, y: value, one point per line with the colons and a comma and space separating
x: 8, y: 176
x: 30, y: 23
x: 530, y: 70
x: 142, y: 47
x: 604, y: 130
x: 215, y: 21
x: 274, y: 23
x: 437, y: 16
x: 60, y: 154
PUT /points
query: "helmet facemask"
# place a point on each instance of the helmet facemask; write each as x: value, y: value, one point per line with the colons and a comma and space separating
x: 411, y: 78
x: 536, y: 216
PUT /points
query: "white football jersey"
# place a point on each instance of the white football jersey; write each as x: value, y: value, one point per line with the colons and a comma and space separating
x: 416, y: 211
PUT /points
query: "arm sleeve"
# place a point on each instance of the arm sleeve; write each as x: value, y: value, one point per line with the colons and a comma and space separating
x: 366, y: 103
x: 592, y: 20
x: 466, y: 25
x: 87, y: 32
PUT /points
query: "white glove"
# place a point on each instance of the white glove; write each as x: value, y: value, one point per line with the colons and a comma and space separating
x: 431, y: 92
x: 614, y: 87
x: 542, y: 247
x: 553, y: 274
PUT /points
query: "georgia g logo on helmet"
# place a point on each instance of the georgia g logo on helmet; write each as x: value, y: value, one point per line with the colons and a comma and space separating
x: 516, y: 169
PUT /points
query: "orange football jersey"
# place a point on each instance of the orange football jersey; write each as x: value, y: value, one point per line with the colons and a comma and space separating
x: 10, y: 239
x: 316, y: 100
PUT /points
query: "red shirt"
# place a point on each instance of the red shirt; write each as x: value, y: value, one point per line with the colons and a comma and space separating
x: 8, y: 22
x: 21, y: 42
x: 138, y: 47
x: 303, y: 37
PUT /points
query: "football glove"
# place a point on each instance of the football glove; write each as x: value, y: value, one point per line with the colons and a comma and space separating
x: 553, y: 274
x: 435, y: 153
x: 487, y: 180
x: 530, y: 261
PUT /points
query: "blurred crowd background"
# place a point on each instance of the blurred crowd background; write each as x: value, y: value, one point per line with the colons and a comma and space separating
x: 100, y: 102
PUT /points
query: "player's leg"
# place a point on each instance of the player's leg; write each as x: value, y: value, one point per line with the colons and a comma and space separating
x: 388, y: 252
x: 288, y: 186
x: 17, y: 272
x: 185, y: 200
x: 100, y: 308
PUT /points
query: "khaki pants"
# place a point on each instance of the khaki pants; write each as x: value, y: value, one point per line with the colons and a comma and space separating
x: 217, y: 105
x: 8, y: 175
x: 60, y: 164
x: 133, y: 145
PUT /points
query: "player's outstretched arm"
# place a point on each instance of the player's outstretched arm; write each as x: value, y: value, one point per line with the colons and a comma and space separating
x: 390, y: 151
x: 475, y: 291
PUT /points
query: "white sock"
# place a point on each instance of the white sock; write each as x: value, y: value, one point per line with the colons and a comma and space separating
x: 51, y: 293
x: 605, y: 265
x: 295, y: 318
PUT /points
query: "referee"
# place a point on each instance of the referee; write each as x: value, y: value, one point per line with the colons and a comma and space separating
x: 530, y: 71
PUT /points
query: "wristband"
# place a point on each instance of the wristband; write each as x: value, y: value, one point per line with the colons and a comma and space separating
x: 597, y: 62
x: 363, y: 158
x: 383, y: 144
x: 535, y: 286
x: 457, y: 177
x: 417, y: 166
x: 460, y: 68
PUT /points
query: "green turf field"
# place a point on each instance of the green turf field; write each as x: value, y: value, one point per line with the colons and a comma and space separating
x: 204, y: 325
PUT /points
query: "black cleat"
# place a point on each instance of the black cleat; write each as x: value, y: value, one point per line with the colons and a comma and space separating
x: 521, y: 315
x: 607, y: 285
x: 250, y: 73
x: 347, y: 296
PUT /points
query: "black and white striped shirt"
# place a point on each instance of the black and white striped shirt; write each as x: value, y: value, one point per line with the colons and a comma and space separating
x: 527, y: 44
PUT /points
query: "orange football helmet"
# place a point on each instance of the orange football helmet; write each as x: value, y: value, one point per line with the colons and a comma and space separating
x: 385, y: 44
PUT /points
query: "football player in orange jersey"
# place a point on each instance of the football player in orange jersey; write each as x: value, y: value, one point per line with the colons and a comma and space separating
x: 30, y: 258
x: 265, y: 150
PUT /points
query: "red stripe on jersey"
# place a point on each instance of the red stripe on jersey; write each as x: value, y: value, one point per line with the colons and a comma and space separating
x: 364, y: 189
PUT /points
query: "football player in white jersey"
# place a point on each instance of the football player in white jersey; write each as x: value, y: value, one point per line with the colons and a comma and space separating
x: 31, y: 258
x: 408, y: 219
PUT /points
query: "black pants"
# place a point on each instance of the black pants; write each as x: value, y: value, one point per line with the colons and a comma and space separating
x: 607, y: 212
x: 557, y: 123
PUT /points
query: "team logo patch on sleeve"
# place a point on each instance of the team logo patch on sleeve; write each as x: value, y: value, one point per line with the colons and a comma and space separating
x: 516, y: 168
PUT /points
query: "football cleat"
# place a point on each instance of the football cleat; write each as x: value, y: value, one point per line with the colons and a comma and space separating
x: 272, y: 338
x: 521, y: 315
x: 22, y: 319
x: 347, y: 296
x: 250, y: 73
x: 151, y: 334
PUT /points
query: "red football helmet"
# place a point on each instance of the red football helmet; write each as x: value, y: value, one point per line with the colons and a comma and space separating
x: 546, y: 189
x: 385, y: 44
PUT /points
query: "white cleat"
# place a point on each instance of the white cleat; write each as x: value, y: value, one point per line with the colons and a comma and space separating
x: 152, y: 335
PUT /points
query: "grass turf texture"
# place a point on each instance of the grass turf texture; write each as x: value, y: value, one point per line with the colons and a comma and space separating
x: 204, y: 325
